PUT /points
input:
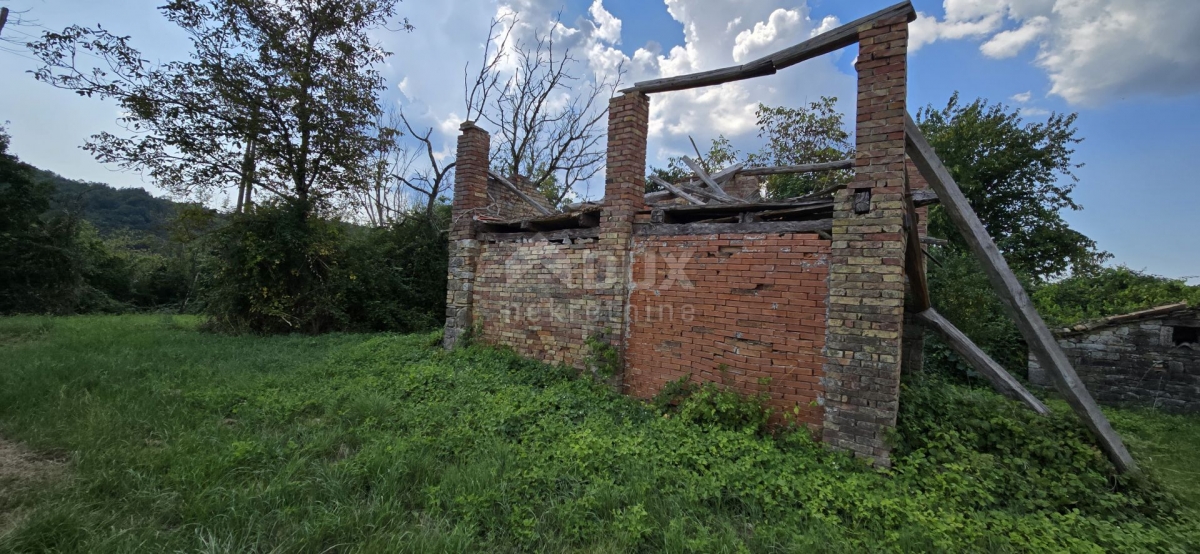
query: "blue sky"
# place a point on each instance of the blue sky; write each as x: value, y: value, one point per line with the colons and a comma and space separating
x: 1137, y: 92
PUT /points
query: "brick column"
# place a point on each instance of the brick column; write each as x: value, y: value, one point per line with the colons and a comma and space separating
x: 470, y: 197
x: 624, y: 191
x: 866, y: 295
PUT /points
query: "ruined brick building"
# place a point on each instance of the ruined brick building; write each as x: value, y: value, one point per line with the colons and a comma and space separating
x: 1149, y: 358
x: 812, y: 300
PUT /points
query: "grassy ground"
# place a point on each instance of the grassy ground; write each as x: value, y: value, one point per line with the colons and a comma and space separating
x: 178, y: 440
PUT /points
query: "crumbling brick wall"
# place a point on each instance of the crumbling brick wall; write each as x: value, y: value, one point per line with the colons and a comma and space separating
x: 506, y: 204
x: 544, y: 299
x: 745, y: 310
x: 803, y: 318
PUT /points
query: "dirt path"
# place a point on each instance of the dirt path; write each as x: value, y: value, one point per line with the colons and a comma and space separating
x: 21, y: 468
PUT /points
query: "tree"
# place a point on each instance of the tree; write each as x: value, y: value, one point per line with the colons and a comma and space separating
x: 550, y: 123
x: 278, y: 96
x: 1018, y: 177
x: 809, y: 134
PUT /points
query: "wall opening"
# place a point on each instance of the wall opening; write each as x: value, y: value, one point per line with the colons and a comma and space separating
x: 1185, y: 335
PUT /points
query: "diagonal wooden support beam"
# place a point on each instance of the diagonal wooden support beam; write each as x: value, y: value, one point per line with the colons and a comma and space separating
x: 516, y: 191
x: 676, y: 190
x: 914, y: 259
x: 1000, y: 379
x: 1016, y: 302
x: 712, y: 184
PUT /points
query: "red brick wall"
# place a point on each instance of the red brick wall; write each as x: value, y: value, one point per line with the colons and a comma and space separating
x: 731, y: 308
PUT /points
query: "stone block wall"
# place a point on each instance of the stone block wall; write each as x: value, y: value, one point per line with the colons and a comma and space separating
x: 745, y: 310
x: 1135, y: 364
x: 866, y: 289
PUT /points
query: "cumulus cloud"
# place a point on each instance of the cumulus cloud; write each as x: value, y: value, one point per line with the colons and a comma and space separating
x: 1093, y: 51
x: 1022, y: 97
x: 716, y: 34
x: 765, y: 33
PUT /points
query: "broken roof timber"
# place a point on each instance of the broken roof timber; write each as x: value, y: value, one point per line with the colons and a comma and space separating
x: 821, y: 44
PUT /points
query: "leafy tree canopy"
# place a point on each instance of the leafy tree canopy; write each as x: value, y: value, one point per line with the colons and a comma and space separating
x: 1018, y: 177
x: 813, y: 133
x: 295, y: 80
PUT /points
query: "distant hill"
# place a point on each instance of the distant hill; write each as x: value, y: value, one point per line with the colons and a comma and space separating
x: 112, y: 209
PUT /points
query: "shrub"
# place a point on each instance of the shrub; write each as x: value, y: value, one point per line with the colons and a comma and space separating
x: 280, y: 269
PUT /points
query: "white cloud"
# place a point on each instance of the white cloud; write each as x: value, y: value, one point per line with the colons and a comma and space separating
x: 764, y: 34
x: 1022, y: 97
x: 716, y: 34
x: 830, y: 23
x: 1007, y: 44
x: 1093, y: 51
x: 609, y: 27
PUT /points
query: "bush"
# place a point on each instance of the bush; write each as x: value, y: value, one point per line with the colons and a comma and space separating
x: 1109, y: 291
x: 280, y: 269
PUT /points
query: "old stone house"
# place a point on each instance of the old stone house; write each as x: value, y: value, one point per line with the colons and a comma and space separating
x: 1147, y: 358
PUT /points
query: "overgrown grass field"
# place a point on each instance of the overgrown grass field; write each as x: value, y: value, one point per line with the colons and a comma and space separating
x: 181, y: 440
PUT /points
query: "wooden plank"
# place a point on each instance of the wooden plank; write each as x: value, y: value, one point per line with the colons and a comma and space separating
x: 931, y: 241
x: 838, y: 38
x: 1000, y: 379
x: 703, y: 175
x: 676, y: 190
x: 804, y: 168
x: 1014, y: 299
x: 728, y: 173
x: 553, y: 236
x: 537, y: 205
x: 718, y: 228
x: 823, y: 43
x: 914, y: 259
x: 924, y: 197
x: 757, y: 68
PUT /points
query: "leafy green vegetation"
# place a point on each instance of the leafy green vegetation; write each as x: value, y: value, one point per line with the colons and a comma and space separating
x: 1109, y: 291
x: 184, y: 440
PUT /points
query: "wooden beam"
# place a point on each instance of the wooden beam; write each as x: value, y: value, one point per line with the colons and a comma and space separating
x: 718, y: 228
x: 1014, y: 299
x: 553, y: 236
x: 804, y: 168
x: 703, y: 175
x: 537, y: 205
x: 931, y: 241
x: 914, y: 259
x: 676, y: 190
x: 924, y: 197
x: 728, y: 173
x: 1000, y: 379
x: 823, y: 43
x: 757, y: 68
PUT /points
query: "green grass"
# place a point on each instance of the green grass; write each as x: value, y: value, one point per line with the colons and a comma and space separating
x: 180, y: 440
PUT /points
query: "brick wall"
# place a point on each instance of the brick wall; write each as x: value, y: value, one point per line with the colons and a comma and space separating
x: 866, y: 289
x: 506, y: 204
x: 543, y: 299
x: 732, y: 308
x: 1135, y: 364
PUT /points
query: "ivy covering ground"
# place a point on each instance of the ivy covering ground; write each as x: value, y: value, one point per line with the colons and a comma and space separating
x: 183, y: 440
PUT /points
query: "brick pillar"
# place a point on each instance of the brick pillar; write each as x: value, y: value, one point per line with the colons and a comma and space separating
x: 866, y: 294
x: 470, y: 197
x: 624, y: 190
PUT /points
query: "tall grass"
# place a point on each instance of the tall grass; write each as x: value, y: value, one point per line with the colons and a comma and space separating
x: 180, y: 440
